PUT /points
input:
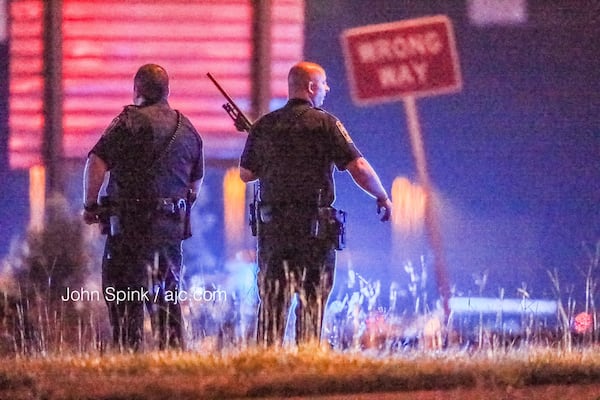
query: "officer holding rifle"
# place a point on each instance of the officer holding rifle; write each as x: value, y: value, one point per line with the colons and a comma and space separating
x: 292, y: 153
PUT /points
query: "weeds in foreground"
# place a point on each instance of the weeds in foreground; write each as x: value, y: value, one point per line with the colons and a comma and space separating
x: 34, y: 321
x: 34, y: 318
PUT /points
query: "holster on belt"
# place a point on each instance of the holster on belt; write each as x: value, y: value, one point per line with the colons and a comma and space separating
x: 329, y: 224
x: 111, y: 212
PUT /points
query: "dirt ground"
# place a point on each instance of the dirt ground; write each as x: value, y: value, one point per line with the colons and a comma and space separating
x: 546, y: 392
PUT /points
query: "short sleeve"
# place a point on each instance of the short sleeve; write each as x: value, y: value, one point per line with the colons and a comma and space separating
x: 343, y: 146
x: 249, y: 157
x: 109, y: 144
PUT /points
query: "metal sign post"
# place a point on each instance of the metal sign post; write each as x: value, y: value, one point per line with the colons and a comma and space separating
x: 401, y: 61
x: 432, y: 220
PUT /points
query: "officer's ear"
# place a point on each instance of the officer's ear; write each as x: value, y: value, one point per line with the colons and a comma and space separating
x: 139, y: 100
x: 311, y: 87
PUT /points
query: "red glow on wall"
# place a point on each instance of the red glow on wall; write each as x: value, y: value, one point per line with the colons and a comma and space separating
x: 105, y: 42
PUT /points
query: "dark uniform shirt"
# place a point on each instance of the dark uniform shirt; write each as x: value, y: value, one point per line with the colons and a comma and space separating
x: 145, y: 167
x: 133, y: 147
x: 293, y: 151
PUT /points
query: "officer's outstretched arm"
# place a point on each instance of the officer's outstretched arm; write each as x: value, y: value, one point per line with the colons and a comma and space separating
x: 367, y: 179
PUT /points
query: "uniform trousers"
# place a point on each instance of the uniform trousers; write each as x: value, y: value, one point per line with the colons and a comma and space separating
x: 137, y: 272
x: 292, y: 263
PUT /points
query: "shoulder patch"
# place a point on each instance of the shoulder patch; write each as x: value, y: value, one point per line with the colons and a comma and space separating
x: 343, y: 131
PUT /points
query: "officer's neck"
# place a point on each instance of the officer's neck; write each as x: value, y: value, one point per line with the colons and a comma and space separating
x: 141, y: 101
x: 301, y: 99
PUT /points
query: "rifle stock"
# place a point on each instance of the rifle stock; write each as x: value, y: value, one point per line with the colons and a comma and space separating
x: 241, y: 122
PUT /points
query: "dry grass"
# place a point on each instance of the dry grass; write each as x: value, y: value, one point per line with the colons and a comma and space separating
x: 287, y: 372
x: 53, y: 352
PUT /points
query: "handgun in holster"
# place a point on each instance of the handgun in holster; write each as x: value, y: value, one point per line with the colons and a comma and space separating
x: 254, y: 209
x: 340, y: 217
x: 252, y: 218
x: 187, y: 217
x: 329, y: 224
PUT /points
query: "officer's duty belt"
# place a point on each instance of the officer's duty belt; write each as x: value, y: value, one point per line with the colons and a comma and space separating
x: 165, y: 204
x: 280, y: 205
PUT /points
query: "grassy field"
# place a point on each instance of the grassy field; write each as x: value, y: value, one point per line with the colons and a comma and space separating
x: 307, y: 371
x: 56, y: 350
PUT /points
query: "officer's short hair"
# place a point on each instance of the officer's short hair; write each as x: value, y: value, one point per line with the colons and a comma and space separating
x: 302, y: 73
x: 152, y: 82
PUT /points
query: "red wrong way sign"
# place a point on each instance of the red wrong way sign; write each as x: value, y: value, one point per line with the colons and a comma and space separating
x: 390, y: 61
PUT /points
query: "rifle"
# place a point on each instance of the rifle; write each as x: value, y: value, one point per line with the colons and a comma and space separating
x: 241, y: 122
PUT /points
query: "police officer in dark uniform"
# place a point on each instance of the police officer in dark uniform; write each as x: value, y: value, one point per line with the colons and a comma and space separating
x: 292, y: 152
x: 154, y: 158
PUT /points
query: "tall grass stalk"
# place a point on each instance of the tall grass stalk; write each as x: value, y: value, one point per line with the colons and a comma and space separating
x: 564, y: 315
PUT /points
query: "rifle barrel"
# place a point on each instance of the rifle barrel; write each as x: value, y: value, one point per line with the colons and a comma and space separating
x: 232, y: 109
x: 223, y: 92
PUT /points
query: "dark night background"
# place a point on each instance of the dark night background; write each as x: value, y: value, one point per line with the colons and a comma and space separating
x: 514, y: 156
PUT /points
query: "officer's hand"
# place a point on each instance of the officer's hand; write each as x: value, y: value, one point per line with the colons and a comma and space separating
x: 384, y: 205
x: 90, y: 217
x: 241, y: 124
x: 90, y: 214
